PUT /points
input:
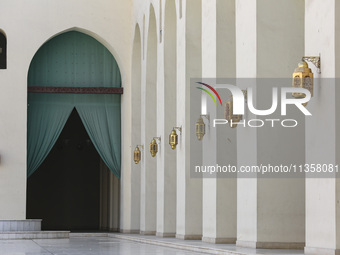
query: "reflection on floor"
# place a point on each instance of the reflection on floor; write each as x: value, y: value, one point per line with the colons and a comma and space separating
x: 116, y: 244
x: 84, y: 246
x: 199, y: 246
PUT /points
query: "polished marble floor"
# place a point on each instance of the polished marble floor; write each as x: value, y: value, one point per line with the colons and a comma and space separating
x: 84, y: 246
x: 197, y: 245
x: 123, y: 244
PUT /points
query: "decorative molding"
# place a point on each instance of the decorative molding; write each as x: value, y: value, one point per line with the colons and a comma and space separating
x: 75, y: 90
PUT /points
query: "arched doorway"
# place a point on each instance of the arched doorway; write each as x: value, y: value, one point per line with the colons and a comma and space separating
x: 73, y: 137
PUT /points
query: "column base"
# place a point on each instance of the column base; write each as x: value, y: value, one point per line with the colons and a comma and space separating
x: 318, y: 251
x: 160, y: 234
x: 270, y: 245
x: 129, y: 231
x: 219, y: 240
x: 148, y: 233
x: 188, y: 237
x: 20, y: 225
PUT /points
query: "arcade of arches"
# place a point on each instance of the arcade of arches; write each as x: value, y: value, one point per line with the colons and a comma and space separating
x: 81, y: 90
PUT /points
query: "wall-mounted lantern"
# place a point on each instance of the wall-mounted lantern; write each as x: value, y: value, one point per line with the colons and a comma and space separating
x: 303, y: 76
x: 154, y: 146
x: 173, y: 137
x: 137, y: 154
x: 200, y: 127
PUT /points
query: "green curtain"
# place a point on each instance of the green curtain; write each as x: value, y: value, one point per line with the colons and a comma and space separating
x: 73, y: 59
x: 100, y: 115
x: 46, y: 119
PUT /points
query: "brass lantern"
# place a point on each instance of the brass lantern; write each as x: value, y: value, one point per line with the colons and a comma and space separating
x: 229, y: 116
x: 200, y: 129
x: 137, y: 155
x: 303, y: 78
x: 173, y: 139
x: 153, y: 147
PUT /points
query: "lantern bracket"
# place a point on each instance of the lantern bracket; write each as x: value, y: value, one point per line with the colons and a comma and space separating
x: 315, y: 60
x: 207, y: 116
x: 179, y: 129
x: 245, y: 94
x: 140, y: 146
x: 157, y: 138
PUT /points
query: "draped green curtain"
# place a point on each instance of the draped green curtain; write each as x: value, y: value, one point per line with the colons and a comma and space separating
x: 73, y: 59
x: 100, y: 115
x: 46, y: 119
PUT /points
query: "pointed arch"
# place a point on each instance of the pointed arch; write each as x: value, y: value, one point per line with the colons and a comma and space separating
x: 100, y: 38
x: 73, y: 59
x: 76, y: 60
